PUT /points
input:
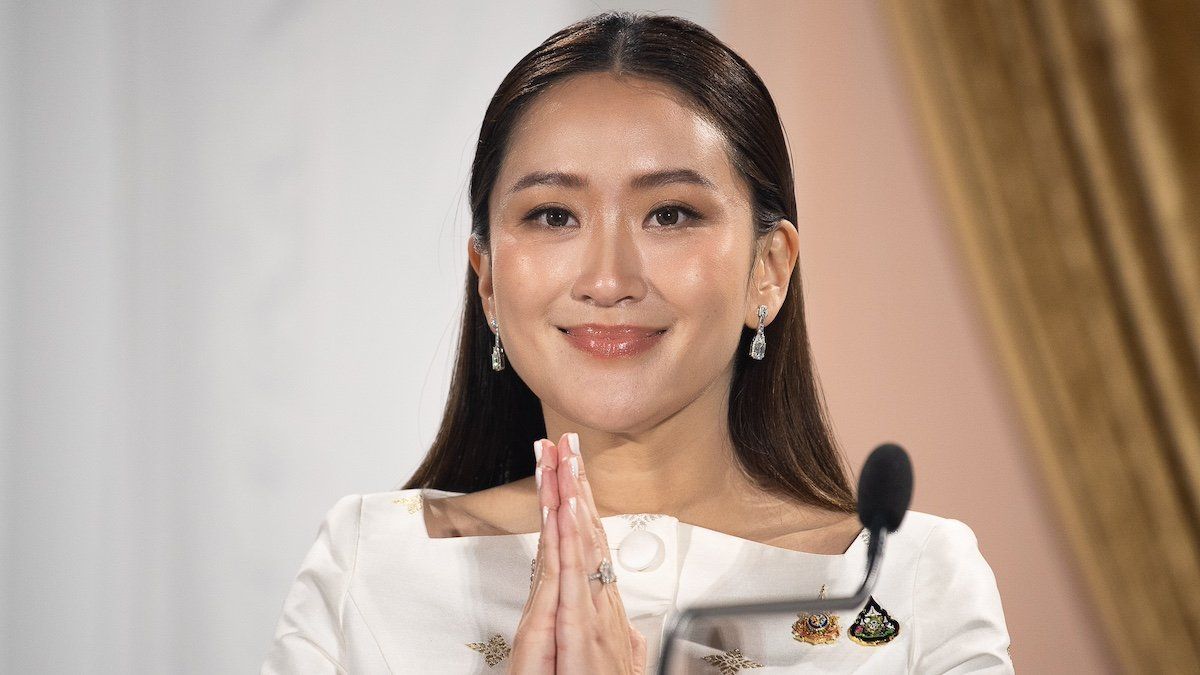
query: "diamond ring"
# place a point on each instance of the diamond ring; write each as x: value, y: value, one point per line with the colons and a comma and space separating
x: 605, y: 574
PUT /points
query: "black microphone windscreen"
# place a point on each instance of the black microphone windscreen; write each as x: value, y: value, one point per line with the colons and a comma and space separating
x: 885, y: 488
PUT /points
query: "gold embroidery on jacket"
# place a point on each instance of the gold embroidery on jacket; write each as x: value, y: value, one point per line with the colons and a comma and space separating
x: 413, y: 502
x: 731, y: 662
x: 494, y: 650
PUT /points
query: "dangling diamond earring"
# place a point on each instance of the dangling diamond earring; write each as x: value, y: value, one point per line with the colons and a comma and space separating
x: 497, y: 349
x: 758, y: 348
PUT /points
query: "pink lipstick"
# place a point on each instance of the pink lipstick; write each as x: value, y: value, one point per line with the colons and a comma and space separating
x: 608, y: 341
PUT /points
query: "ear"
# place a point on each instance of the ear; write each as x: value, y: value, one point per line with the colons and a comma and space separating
x: 481, y: 262
x: 772, y: 272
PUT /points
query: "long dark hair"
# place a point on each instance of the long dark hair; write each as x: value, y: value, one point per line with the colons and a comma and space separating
x: 777, y: 417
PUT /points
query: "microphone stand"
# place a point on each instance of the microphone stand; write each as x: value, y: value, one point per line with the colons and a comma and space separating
x: 686, y: 618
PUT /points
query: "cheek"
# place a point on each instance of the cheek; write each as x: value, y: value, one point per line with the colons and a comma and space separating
x: 525, y: 280
x: 705, y: 279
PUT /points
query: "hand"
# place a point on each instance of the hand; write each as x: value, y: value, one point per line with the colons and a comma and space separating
x: 570, y: 624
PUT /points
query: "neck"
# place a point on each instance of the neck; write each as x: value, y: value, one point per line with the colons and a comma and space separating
x: 683, y: 466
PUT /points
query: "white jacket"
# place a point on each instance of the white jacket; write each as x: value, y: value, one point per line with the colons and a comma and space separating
x: 376, y: 594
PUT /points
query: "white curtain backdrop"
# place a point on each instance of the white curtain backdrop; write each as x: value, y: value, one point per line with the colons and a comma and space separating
x: 233, y: 248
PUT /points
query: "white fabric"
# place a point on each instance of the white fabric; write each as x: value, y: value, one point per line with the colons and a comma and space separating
x: 376, y: 594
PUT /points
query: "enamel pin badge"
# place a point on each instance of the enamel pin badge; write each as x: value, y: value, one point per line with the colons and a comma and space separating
x: 874, y: 626
x: 819, y: 628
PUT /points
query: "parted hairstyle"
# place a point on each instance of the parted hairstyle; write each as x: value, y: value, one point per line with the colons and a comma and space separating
x: 777, y: 417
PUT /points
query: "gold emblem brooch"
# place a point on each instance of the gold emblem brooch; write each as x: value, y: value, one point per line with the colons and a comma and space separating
x: 819, y: 628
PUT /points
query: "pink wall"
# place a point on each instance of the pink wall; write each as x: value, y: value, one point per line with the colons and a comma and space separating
x: 898, y: 336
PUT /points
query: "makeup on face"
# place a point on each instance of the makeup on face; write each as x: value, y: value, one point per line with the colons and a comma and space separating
x: 609, y: 341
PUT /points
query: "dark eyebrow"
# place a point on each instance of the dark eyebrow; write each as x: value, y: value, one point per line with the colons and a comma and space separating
x: 642, y: 182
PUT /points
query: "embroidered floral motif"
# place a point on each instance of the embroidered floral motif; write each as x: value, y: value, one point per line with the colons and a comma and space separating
x: 638, y: 521
x: 413, y: 502
x: 494, y: 650
x: 731, y: 662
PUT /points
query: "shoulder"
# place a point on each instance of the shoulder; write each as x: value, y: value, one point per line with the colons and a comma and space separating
x: 342, y: 521
x: 937, y: 546
x: 393, y: 512
x: 935, y: 551
x: 354, y: 516
x: 503, y: 509
x: 510, y: 508
x: 956, y: 604
x: 926, y: 533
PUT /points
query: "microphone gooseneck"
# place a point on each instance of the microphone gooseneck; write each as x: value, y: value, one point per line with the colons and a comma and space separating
x: 884, y: 493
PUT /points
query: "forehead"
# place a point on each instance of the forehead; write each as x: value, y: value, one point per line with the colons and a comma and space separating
x: 608, y: 129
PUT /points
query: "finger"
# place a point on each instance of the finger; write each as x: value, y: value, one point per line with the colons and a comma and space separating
x: 585, y: 490
x: 550, y: 508
x: 574, y: 595
x: 606, y: 598
x: 590, y: 526
x: 544, y: 597
x: 535, y: 647
x: 637, y: 644
x: 534, y: 577
x: 537, y: 558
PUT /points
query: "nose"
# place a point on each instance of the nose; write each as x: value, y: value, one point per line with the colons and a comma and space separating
x: 610, y: 268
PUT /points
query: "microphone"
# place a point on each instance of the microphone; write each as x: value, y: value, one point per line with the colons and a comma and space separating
x: 884, y: 493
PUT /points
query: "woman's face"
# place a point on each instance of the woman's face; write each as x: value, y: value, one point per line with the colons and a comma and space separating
x: 621, y: 301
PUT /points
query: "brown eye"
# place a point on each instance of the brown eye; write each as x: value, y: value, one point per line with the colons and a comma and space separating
x: 556, y: 218
x: 672, y: 216
x: 668, y: 216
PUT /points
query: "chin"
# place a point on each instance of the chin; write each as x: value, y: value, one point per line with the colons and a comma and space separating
x: 615, y: 415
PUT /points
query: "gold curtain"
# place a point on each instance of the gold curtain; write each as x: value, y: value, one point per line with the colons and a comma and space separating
x: 1066, y: 136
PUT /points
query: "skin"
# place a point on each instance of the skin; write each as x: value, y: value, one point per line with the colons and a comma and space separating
x: 570, y: 624
x: 651, y: 428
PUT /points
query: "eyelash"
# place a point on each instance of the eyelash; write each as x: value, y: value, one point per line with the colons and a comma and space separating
x: 692, y: 215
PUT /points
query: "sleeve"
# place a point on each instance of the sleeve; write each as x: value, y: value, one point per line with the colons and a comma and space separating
x: 308, y: 637
x: 959, y: 622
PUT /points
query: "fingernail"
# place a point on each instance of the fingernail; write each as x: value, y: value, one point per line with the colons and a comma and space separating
x: 537, y: 450
x: 575, y: 467
x: 545, y: 513
x: 573, y: 440
x: 538, y: 475
x: 571, y: 503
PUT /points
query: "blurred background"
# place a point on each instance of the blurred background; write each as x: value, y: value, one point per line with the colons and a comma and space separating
x: 233, y: 244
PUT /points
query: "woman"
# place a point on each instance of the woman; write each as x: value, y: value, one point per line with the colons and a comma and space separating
x: 633, y: 293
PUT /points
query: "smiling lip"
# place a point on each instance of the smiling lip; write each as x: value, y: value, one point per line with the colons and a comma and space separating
x: 611, y: 341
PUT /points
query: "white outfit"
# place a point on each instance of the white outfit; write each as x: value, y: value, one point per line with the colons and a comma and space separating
x: 376, y: 594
